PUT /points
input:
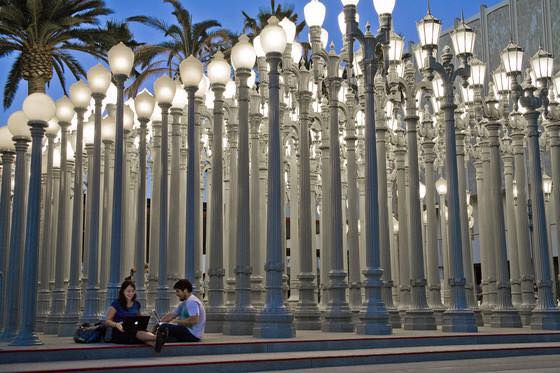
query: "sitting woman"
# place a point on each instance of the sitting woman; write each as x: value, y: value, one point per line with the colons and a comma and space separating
x: 126, y: 306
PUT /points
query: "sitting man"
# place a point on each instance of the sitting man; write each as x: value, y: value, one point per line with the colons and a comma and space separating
x: 186, y: 322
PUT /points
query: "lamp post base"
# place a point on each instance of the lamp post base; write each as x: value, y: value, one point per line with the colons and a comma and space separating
x: 26, y: 339
x: 239, y: 321
x: 307, y: 317
x: 215, y: 319
x: 395, y: 318
x: 505, y: 319
x: 419, y: 319
x: 373, y: 323
x: 277, y: 323
x: 546, y: 319
x: 459, y: 321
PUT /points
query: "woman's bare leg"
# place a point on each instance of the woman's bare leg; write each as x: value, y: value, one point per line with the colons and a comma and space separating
x: 146, y: 337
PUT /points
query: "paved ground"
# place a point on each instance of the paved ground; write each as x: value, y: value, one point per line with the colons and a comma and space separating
x: 533, y: 364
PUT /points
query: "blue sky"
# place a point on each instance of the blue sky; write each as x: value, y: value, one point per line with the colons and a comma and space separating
x: 228, y: 12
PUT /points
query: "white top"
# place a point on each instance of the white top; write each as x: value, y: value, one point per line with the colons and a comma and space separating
x: 192, y: 306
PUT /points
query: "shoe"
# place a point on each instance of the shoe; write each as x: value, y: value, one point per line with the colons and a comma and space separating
x: 161, y: 336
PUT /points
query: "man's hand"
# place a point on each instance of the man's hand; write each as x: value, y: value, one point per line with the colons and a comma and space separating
x: 168, y: 317
x: 119, y: 327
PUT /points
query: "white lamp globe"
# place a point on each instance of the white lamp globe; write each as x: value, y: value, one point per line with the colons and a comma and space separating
x: 289, y: 28
x: 6, y: 142
x: 258, y: 46
x: 111, y: 95
x: 422, y: 190
x: 252, y: 79
x: 243, y: 55
x: 273, y: 37
x: 297, y: 52
x: 121, y: 59
x: 219, y: 70
x: 181, y: 98
x: 324, y: 38
x: 164, y: 89
x: 99, y: 79
x: 384, y: 6
x: 342, y: 22
x: 80, y: 94
x: 542, y: 64
x: 512, y: 58
x: 108, y: 128
x: 56, y: 156
x: 437, y: 86
x: 349, y: 2
x: 191, y: 71
x: 230, y: 90
x: 39, y: 106
x: 478, y: 71
x: 17, y: 124
x: 89, y: 132
x: 203, y: 86
x: 144, y: 104
x: 64, y: 109
x: 52, y: 127
x: 428, y: 31
x: 441, y: 186
x: 128, y: 118
x: 463, y: 38
x: 396, y: 47
x: 314, y: 12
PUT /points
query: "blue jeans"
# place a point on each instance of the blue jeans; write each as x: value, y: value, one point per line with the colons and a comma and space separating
x: 178, y: 333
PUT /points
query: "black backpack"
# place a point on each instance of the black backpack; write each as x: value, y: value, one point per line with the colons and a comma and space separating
x: 87, y: 333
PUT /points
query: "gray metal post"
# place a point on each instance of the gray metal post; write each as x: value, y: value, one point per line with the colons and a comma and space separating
x: 5, y: 207
x: 26, y: 335
x: 140, y: 252
x: 12, y: 297
x: 153, y: 278
x: 191, y: 266
x: 107, y: 219
x: 274, y: 320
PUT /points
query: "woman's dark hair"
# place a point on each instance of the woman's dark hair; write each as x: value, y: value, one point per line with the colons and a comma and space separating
x: 183, y: 284
x: 122, y: 299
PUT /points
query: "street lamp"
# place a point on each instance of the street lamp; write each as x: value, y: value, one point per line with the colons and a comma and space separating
x: 39, y: 109
x: 240, y: 318
x: 164, y: 90
x: 374, y: 318
x: 121, y: 60
x: 458, y: 317
x: 274, y: 320
x: 545, y: 315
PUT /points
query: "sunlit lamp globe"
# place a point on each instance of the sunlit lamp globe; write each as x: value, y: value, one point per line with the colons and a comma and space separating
x: 144, y: 104
x: 252, y: 79
x: 428, y: 31
x: 6, y: 142
x: 89, y: 132
x: 56, y: 156
x: 108, y: 128
x: 324, y: 37
x: 128, y: 118
x: 297, y: 52
x: 99, y: 79
x: 191, y: 71
x: 39, y: 106
x: 203, y: 86
x: 478, y: 71
x: 463, y: 38
x: 64, y: 109
x: 273, y: 37
x: 258, y: 46
x: 80, y: 94
x: 52, y: 127
x: 314, y: 12
x: 121, y: 59
x: 243, y: 55
x: 384, y: 6
x: 164, y: 89
x: 289, y: 28
x: 230, y: 90
x: 342, y: 22
x: 219, y: 70
x: 17, y: 124
x: 542, y: 63
x: 441, y: 186
x: 512, y: 58
x: 396, y: 47
x: 111, y: 95
x: 181, y: 98
x: 349, y: 2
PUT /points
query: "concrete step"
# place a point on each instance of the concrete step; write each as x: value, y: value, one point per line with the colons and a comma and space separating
x: 64, y: 349
x: 267, y: 361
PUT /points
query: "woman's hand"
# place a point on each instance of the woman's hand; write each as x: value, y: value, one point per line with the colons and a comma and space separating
x: 119, y: 327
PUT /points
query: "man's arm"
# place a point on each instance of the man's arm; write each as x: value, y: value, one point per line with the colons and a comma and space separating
x: 189, y: 321
x: 168, y: 317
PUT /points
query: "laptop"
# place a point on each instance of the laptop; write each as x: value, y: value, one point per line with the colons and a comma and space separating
x: 132, y: 324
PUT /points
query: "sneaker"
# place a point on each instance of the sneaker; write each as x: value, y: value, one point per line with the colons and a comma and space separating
x: 161, y: 336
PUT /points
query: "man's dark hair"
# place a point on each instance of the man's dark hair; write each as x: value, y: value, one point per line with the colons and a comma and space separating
x: 183, y: 284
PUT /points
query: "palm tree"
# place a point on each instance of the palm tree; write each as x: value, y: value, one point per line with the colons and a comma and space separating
x: 183, y: 38
x: 252, y: 26
x: 44, y: 34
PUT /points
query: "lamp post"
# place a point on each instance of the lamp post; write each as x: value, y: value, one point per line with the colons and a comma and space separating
x: 374, y: 318
x: 80, y: 94
x: 418, y: 316
x: 99, y: 79
x: 239, y: 320
x: 191, y: 75
x: 164, y: 89
x: 8, y: 150
x: 545, y: 315
x: 218, y: 74
x: 17, y: 124
x: 121, y: 59
x: 458, y: 316
x: 39, y: 108
x: 108, y: 138
x: 274, y: 320
x: 144, y: 105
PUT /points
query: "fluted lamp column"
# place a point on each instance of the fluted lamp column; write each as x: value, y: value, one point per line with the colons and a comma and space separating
x: 17, y: 125
x: 274, y: 320
x: 99, y: 79
x: 218, y: 73
x: 164, y: 89
x: 144, y: 104
x: 80, y: 94
x: 39, y: 108
x: 121, y: 59
x: 191, y: 75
